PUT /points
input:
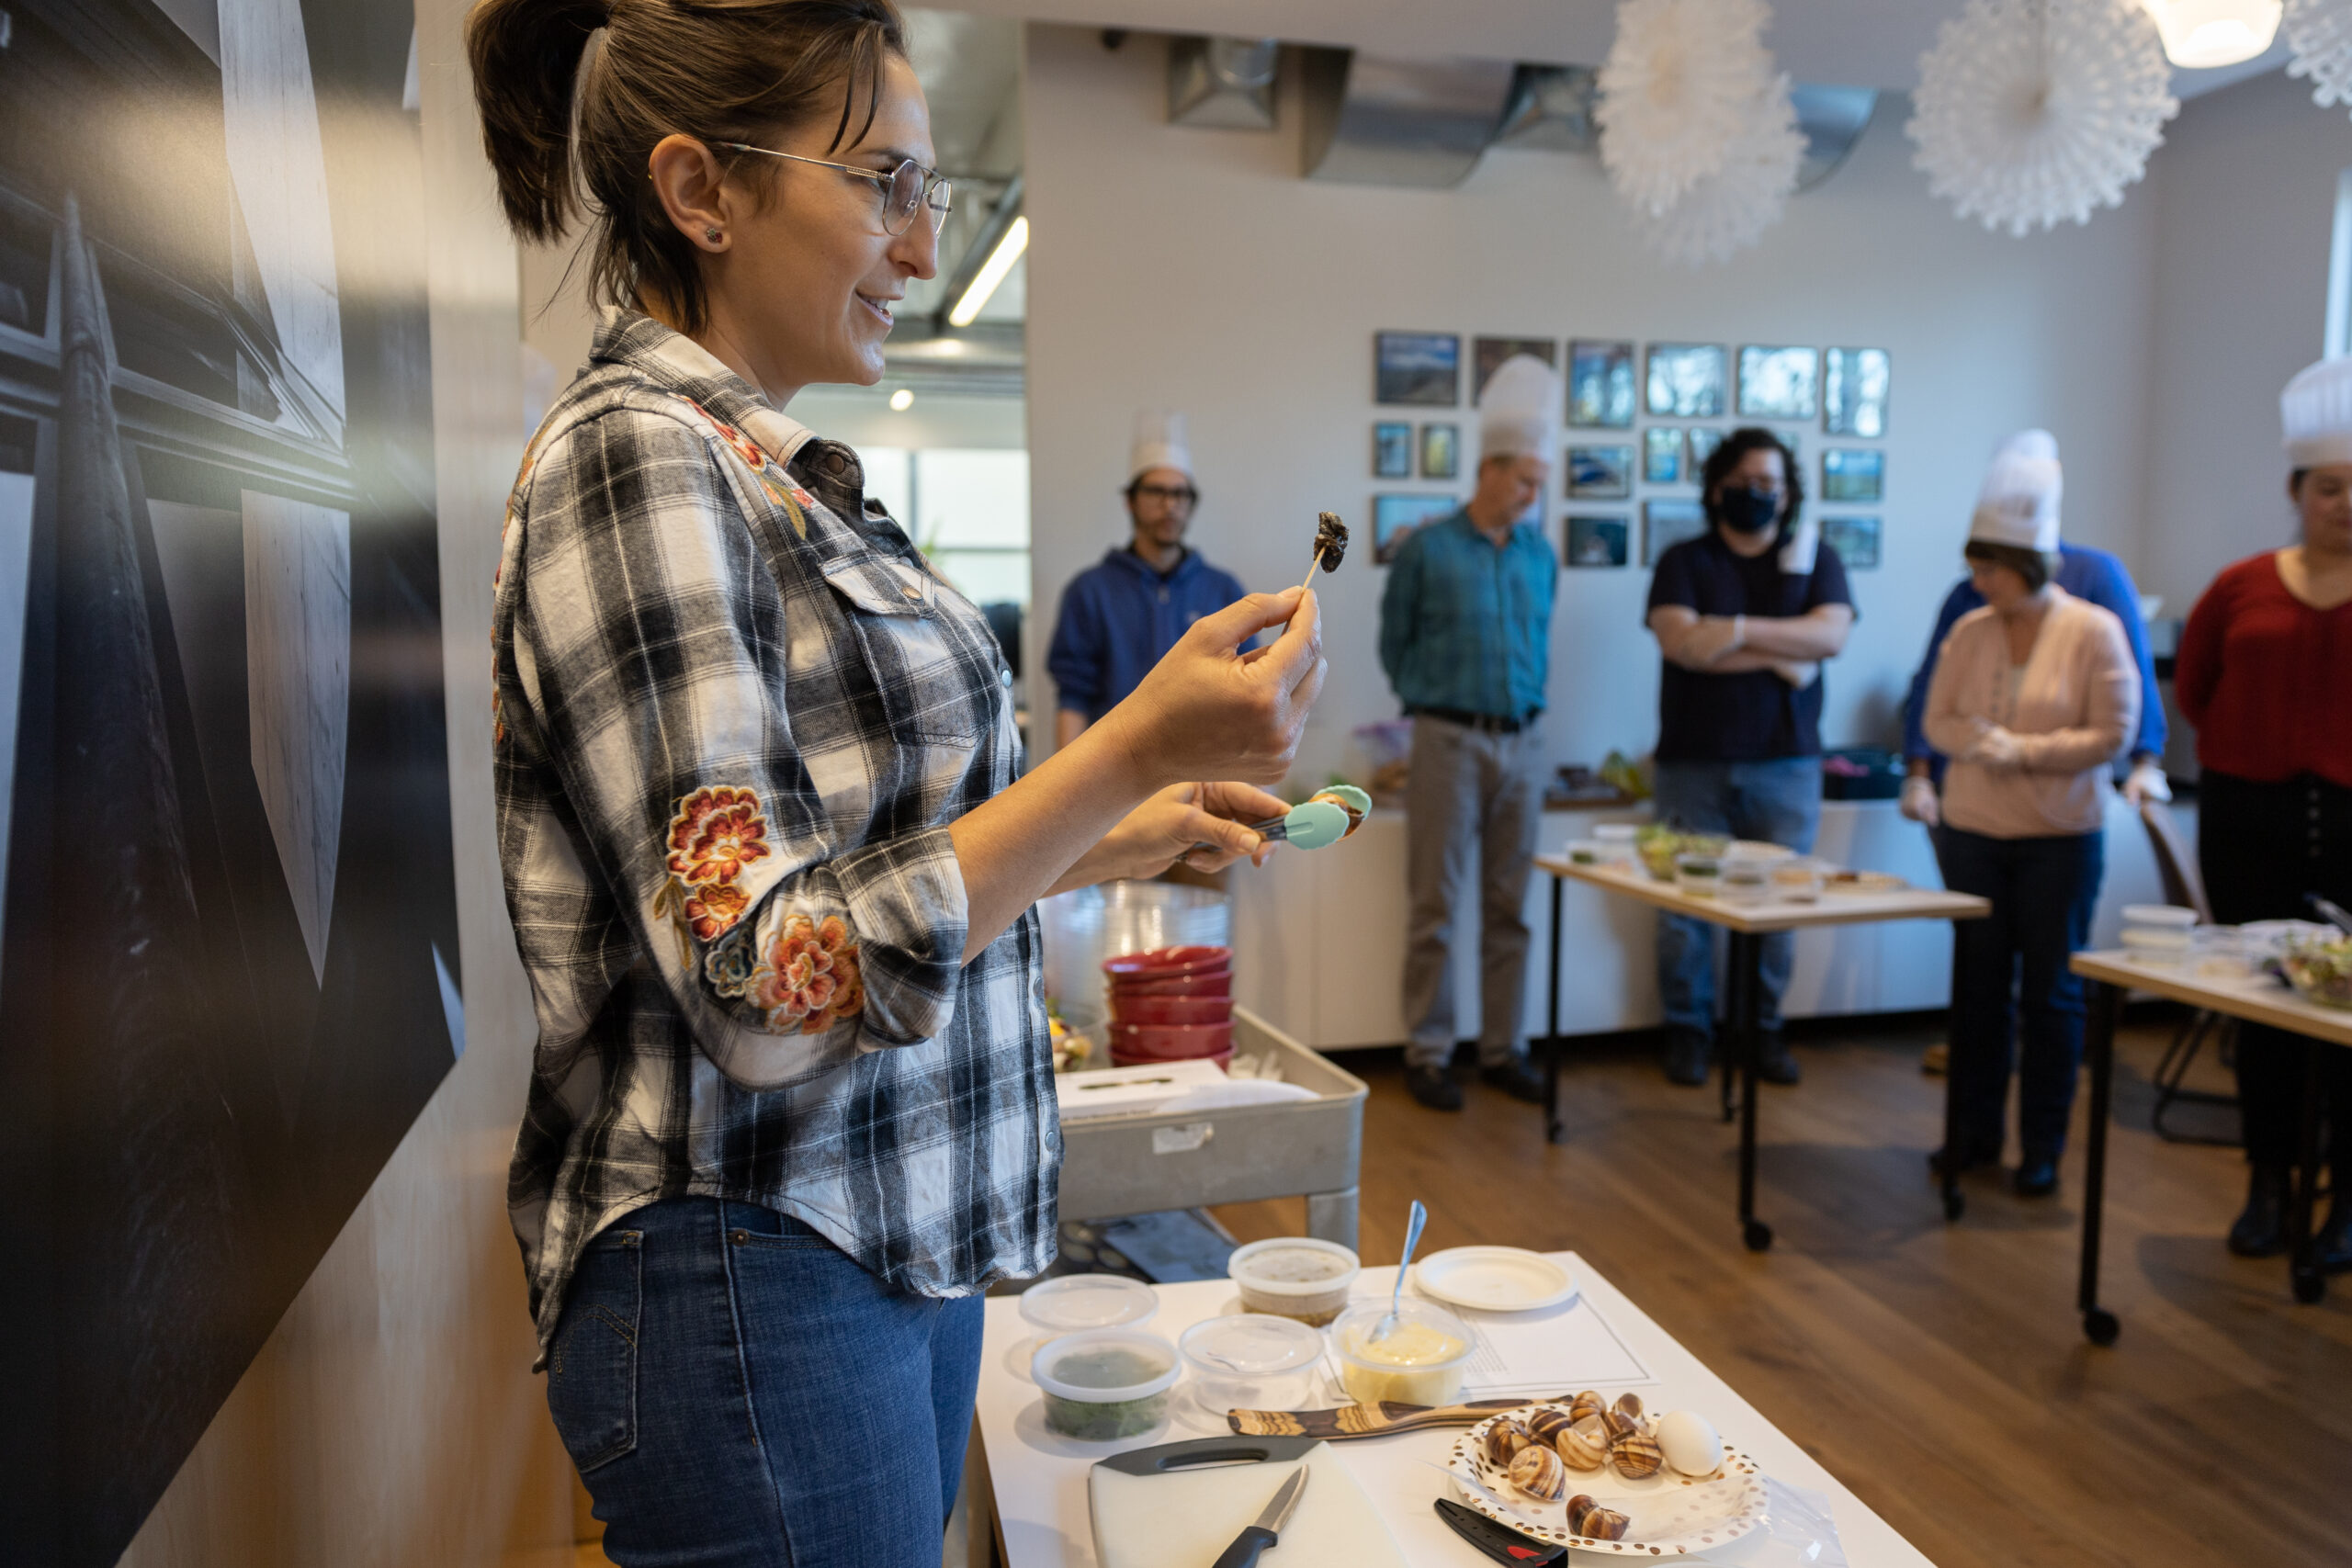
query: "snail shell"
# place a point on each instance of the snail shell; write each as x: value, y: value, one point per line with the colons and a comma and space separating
x: 1504, y: 1440
x: 1545, y: 1424
x: 1539, y: 1473
x: 1616, y: 1425
x: 1630, y: 1407
x: 1579, y: 1450
x: 1636, y: 1455
x: 1600, y: 1524
x: 1578, y: 1506
x: 1584, y: 1404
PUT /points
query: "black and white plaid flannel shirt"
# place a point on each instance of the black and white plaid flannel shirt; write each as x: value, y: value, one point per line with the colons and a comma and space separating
x: 734, y: 715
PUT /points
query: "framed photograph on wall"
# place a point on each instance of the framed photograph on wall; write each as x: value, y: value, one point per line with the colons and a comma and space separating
x: 1666, y: 524
x: 1600, y: 473
x: 1853, y: 392
x: 1600, y: 384
x: 1394, y: 516
x: 1704, y: 440
x: 1662, y: 455
x: 1854, y: 539
x: 1487, y: 353
x: 1597, y: 541
x: 1686, y: 380
x: 1778, y: 383
x: 1392, y: 450
x: 1423, y: 368
x: 1441, y: 451
x: 1853, y: 473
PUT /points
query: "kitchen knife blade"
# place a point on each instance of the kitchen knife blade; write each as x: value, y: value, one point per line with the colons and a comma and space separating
x: 1268, y: 1531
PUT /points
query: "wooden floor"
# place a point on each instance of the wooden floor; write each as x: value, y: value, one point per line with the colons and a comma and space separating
x: 1938, y: 1371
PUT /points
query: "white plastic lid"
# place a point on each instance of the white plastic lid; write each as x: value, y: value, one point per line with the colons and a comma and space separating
x: 1273, y: 1267
x: 1249, y: 1344
x: 1057, y: 1355
x: 1616, y: 832
x: 2171, y: 915
x: 1074, y: 1302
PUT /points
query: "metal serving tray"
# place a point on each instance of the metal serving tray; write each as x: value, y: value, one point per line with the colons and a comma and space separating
x: 1145, y: 1162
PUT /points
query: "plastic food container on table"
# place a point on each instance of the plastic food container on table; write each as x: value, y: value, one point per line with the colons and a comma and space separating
x: 1073, y: 1302
x: 1103, y: 1385
x: 1413, y: 1366
x: 1294, y: 1277
x: 1251, y: 1362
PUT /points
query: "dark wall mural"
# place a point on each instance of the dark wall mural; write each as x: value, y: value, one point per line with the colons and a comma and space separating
x: 228, y: 941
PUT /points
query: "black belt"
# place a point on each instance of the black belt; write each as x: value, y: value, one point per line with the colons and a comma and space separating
x: 1491, y: 724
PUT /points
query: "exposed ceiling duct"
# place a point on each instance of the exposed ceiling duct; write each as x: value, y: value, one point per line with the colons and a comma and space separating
x: 1222, y: 81
x: 1400, y: 122
x: 1833, y: 119
x: 1551, y: 109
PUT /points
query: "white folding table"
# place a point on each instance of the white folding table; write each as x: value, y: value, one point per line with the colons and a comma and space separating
x: 1035, y: 1482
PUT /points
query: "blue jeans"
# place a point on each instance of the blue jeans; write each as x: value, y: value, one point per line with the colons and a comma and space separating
x: 2043, y: 891
x: 736, y: 1391
x: 1780, y: 802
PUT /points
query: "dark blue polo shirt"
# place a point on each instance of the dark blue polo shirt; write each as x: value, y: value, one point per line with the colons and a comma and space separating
x: 1754, y: 717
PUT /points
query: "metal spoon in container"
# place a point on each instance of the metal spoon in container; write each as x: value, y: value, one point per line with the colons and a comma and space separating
x: 1387, y: 1324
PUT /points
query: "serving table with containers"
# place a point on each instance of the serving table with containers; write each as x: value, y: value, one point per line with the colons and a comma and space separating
x: 1518, y: 1408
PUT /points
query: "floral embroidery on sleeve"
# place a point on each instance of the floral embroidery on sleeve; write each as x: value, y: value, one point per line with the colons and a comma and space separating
x: 804, y: 981
x: 718, y: 831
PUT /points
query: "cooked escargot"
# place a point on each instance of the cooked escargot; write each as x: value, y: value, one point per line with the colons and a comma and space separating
x: 1355, y: 816
x: 1584, y: 1404
x: 1330, y: 540
x: 1580, y: 1450
x: 1539, y: 1473
x: 1505, y: 1438
x: 1636, y: 1455
x: 1594, y: 1522
x: 1616, y: 1424
x: 1544, y: 1424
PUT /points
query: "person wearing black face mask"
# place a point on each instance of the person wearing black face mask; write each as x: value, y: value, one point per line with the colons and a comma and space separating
x: 1744, y: 616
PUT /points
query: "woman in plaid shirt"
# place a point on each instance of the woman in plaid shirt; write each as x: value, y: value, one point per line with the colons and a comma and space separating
x: 769, y: 866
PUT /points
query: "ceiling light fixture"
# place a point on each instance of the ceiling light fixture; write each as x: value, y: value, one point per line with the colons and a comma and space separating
x: 2201, y: 34
x: 902, y: 400
x: 992, y: 273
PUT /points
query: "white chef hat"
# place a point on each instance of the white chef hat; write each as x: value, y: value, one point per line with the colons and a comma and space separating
x: 2018, y: 503
x: 2316, y: 410
x: 1519, y: 412
x: 1159, y: 443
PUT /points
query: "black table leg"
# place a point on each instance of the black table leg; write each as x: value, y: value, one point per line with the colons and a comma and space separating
x: 1728, y: 1044
x: 1746, y: 966
x: 1955, y: 1204
x: 2098, y: 1044
x: 2303, y: 1266
x: 1552, y: 1127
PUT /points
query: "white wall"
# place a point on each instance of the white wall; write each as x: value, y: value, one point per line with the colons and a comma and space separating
x: 1190, y: 269
x: 2244, y: 197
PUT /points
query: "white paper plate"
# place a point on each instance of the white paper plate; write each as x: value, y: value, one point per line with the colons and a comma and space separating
x: 1494, y: 1278
x: 1671, y: 1514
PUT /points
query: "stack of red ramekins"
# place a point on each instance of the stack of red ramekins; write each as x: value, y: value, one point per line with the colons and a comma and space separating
x: 1175, y: 1004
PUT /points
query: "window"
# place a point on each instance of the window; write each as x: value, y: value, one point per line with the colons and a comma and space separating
x: 2339, y: 273
x: 970, y: 515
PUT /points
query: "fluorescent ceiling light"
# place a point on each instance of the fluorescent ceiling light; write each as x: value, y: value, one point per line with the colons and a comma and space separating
x: 993, y: 271
x: 2202, y: 34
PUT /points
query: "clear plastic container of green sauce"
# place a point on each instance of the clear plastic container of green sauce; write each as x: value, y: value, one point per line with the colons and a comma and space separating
x: 1105, y: 1384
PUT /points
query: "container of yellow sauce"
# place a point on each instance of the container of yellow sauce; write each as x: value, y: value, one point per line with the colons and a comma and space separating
x: 1420, y: 1362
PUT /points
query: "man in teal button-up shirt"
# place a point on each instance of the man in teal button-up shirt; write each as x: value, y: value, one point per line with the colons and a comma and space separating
x: 1465, y: 637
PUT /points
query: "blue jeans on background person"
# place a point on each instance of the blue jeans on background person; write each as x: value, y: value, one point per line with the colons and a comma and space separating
x: 1779, y: 801
x: 2043, y: 893
x: 736, y: 1391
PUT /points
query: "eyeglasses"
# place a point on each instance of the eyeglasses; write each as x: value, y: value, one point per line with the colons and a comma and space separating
x: 1172, y: 495
x: 906, y: 189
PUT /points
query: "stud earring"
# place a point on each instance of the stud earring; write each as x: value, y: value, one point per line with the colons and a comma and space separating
x: 712, y: 234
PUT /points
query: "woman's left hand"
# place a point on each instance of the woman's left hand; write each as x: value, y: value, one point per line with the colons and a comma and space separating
x: 1171, y: 825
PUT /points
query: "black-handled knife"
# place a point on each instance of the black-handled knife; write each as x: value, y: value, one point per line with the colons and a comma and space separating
x: 1501, y: 1544
x: 1269, y: 1527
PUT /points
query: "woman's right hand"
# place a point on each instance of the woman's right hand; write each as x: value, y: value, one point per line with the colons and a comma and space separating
x: 1210, y: 710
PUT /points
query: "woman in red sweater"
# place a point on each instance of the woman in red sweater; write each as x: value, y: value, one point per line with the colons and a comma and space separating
x: 2265, y: 673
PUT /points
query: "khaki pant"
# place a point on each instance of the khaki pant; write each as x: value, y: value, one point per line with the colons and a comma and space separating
x: 1469, y: 791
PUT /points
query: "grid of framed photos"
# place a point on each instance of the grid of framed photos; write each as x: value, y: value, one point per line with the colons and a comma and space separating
x: 1642, y: 417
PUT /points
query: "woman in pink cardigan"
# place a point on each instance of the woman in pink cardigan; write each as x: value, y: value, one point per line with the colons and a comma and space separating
x: 2034, y: 697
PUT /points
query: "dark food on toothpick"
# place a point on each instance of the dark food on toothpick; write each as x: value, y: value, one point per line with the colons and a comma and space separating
x: 1330, y: 540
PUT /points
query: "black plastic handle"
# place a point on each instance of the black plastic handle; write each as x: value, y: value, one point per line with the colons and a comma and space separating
x: 1165, y: 1457
x: 1246, y: 1547
x: 1501, y: 1544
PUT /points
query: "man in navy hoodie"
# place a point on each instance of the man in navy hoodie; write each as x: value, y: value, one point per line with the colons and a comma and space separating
x: 1121, y: 616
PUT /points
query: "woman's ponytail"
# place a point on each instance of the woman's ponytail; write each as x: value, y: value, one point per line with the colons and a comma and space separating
x: 526, y: 55
x: 716, y: 70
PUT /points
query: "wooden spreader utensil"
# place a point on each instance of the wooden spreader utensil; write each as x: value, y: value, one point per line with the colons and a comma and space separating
x: 1372, y: 1420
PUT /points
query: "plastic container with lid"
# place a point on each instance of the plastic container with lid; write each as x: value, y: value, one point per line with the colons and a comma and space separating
x: 1421, y: 1362
x: 2161, y: 917
x: 1105, y: 1384
x: 2164, y: 946
x: 1616, y: 832
x: 1699, y: 874
x: 1602, y: 852
x: 1075, y: 1302
x: 1295, y: 1276
x: 1796, y: 880
x: 1744, y: 882
x: 1251, y: 1362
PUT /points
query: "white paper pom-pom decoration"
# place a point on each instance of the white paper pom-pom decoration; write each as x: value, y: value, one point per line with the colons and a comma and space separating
x: 2319, y: 36
x: 2030, y: 111
x: 1729, y: 211
x: 1676, y: 91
